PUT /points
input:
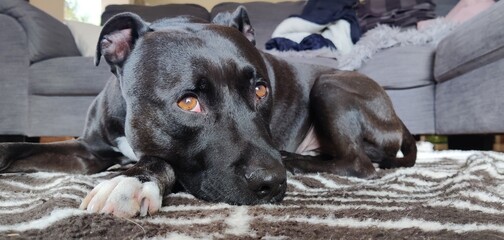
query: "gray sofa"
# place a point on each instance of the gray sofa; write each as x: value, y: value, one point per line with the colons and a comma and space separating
x: 453, y: 89
x: 46, y: 86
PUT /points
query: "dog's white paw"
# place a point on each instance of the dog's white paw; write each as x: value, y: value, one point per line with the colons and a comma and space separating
x: 124, y: 197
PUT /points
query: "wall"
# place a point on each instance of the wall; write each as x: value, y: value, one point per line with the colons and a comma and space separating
x: 56, y: 7
x: 53, y: 7
x: 109, y: 2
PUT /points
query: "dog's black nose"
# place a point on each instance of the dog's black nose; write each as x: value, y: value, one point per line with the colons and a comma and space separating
x: 266, y: 184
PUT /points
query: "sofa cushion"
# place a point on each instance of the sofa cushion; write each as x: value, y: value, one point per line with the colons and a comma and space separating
x: 86, y: 36
x: 473, y: 44
x: 264, y: 16
x: 58, y: 115
x: 68, y: 76
x: 401, y: 67
x: 47, y: 37
x: 415, y: 107
x: 152, y: 13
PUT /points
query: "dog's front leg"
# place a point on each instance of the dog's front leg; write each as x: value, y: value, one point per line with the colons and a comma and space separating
x: 138, y: 191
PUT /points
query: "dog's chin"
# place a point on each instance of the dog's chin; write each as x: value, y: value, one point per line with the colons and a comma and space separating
x: 245, y: 201
x: 238, y: 199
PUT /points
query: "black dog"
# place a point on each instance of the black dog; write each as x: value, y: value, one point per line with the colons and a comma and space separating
x: 197, y: 104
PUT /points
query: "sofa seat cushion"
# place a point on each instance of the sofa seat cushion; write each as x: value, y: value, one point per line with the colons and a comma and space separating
x: 473, y: 44
x: 472, y: 102
x: 86, y: 36
x: 58, y: 115
x: 152, y: 13
x: 264, y: 16
x: 68, y: 76
x: 415, y: 107
x: 401, y: 67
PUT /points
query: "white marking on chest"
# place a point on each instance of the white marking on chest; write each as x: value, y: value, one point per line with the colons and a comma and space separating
x: 310, y: 144
x: 124, y: 148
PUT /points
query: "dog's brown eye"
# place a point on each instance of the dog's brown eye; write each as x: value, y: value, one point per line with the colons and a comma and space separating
x: 189, y: 103
x: 261, y: 91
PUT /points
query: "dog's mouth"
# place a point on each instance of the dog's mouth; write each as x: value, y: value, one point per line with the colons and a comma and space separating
x: 280, y: 195
x: 235, y: 194
x: 241, y: 199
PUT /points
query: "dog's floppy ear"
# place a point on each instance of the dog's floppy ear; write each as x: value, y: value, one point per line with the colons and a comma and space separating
x: 118, y: 38
x: 238, y: 19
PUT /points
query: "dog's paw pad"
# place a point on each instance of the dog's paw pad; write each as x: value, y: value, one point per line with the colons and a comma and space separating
x: 124, y: 197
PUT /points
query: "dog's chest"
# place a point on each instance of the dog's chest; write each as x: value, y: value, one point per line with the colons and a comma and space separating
x: 124, y: 147
x: 310, y: 144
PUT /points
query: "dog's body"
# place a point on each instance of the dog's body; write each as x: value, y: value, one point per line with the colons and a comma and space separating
x: 198, y: 104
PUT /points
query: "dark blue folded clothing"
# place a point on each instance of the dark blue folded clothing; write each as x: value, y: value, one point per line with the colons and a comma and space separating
x: 311, y: 42
x: 324, y: 12
x: 282, y: 44
x: 315, y: 41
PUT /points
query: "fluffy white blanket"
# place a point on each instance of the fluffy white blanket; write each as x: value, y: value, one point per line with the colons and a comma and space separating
x: 377, y: 39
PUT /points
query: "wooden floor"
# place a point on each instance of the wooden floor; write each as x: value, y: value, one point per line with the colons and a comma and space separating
x: 499, y: 143
x: 54, y: 139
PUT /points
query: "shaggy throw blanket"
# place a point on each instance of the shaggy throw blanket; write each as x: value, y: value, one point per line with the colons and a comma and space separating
x: 446, y: 195
x: 378, y: 39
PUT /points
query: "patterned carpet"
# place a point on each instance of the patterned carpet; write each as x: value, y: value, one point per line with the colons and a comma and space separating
x: 447, y: 195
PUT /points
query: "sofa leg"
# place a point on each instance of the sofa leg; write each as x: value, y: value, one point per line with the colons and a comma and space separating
x: 43, y: 139
x: 499, y: 143
x: 12, y: 138
x: 471, y: 142
x: 18, y: 138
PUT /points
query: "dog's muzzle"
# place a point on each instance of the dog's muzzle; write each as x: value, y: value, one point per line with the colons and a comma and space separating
x: 269, y: 185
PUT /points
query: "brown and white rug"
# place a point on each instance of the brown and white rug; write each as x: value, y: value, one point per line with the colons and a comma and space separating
x: 446, y: 195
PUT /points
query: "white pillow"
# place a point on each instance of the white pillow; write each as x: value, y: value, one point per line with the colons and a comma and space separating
x: 86, y: 36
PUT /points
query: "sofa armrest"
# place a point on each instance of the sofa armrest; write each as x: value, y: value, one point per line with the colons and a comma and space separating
x: 13, y: 77
x: 473, y: 44
x: 46, y: 36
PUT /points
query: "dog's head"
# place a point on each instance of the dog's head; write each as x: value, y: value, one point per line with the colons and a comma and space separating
x: 198, y: 95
